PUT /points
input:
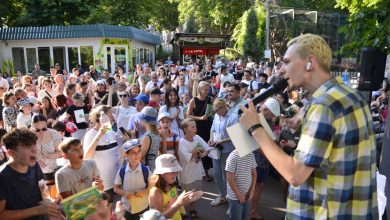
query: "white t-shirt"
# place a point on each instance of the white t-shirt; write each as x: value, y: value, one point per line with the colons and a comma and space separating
x: 23, y: 120
x: 122, y: 115
x: 150, y: 85
x: 228, y: 78
x: 174, y: 125
x: 74, y: 181
x: 107, y: 161
x: 133, y: 182
x: 255, y: 86
x: 192, y: 170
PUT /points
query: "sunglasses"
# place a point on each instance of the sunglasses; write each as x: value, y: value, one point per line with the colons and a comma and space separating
x: 122, y: 96
x: 39, y: 130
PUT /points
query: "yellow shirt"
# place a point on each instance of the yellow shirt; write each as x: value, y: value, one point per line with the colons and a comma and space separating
x: 169, y: 198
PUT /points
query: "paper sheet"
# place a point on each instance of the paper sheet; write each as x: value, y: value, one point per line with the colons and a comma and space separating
x: 138, y: 204
x: 79, y: 115
x: 244, y: 143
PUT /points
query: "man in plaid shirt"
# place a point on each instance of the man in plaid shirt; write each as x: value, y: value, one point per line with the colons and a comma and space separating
x: 333, y: 170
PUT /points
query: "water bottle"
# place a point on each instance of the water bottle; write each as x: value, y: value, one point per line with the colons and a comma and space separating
x: 105, y: 120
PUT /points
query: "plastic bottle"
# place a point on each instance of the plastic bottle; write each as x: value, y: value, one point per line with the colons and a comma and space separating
x: 105, y: 120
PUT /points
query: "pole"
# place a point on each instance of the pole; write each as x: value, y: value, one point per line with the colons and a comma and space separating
x: 267, y: 26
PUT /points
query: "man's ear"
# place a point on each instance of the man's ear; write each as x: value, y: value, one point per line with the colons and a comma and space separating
x: 64, y: 155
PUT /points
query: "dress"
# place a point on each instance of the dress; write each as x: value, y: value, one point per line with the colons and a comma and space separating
x: 203, y: 127
x: 150, y: 157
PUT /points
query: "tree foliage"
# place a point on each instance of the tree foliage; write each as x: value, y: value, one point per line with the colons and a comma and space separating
x: 369, y: 24
x: 249, y: 34
x: 213, y: 16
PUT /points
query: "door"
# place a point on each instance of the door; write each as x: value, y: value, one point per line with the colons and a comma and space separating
x: 116, y: 56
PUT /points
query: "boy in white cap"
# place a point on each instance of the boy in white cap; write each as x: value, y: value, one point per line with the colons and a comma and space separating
x: 131, y: 181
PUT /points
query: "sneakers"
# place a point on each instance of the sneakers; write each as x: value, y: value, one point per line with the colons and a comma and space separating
x: 217, y: 201
x: 228, y: 212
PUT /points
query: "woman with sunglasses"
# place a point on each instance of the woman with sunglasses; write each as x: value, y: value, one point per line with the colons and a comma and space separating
x: 47, y: 147
x: 124, y: 111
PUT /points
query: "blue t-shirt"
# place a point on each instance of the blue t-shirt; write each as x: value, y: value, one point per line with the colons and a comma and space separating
x: 21, y: 190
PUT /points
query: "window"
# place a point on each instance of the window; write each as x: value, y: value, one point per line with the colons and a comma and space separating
x: 73, y: 57
x: 44, y: 58
x: 120, y: 57
x: 31, y: 58
x: 134, y: 56
x: 59, y: 56
x: 86, y: 53
x: 18, y: 59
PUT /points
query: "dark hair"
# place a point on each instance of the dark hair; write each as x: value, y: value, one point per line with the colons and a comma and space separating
x: 165, y: 82
x: 226, y: 83
x: 81, y: 84
x: 59, y: 126
x: 167, y: 98
x: 69, y: 87
x: 68, y: 143
x: 110, y: 80
x: 236, y: 86
x: 2, y: 132
x: 38, y: 118
x: 6, y: 96
x: 61, y: 100
x: 46, y: 80
x: 19, y: 137
x: 248, y: 71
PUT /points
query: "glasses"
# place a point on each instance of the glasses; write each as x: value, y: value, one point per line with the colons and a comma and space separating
x: 122, y: 96
x: 39, y: 130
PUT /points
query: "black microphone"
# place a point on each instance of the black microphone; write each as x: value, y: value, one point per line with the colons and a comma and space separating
x: 278, y: 86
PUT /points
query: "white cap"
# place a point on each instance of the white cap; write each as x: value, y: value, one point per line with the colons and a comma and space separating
x: 272, y: 105
x: 163, y: 115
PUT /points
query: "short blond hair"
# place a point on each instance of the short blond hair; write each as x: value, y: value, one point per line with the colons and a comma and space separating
x: 219, y: 103
x: 185, y: 123
x: 310, y: 44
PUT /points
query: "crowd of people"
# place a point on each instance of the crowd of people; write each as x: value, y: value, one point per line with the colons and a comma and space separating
x: 146, y: 135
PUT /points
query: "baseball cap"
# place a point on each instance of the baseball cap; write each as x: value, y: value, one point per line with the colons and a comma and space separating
x: 149, y: 115
x: 167, y: 163
x: 142, y: 97
x: 130, y: 144
x: 163, y: 115
x: 272, y: 105
x: 156, y: 91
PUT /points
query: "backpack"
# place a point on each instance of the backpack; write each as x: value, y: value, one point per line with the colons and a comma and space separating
x: 145, y: 172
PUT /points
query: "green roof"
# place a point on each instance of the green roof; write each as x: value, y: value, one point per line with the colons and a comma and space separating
x: 78, y: 31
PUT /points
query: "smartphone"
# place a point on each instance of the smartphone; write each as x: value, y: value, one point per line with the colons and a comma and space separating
x: 125, y: 132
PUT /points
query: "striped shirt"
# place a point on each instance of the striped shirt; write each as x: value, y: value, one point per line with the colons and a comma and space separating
x: 241, y: 167
x: 338, y: 142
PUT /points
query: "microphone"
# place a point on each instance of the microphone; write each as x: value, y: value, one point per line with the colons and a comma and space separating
x: 278, y: 86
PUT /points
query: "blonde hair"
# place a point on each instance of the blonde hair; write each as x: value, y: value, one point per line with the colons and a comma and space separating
x: 202, y: 84
x: 95, y: 112
x: 184, y: 124
x: 219, y: 103
x: 310, y: 44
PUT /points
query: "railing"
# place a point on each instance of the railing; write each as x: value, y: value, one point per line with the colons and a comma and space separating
x: 353, y: 76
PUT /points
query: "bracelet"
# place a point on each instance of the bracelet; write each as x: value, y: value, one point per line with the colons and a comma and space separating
x: 253, y: 128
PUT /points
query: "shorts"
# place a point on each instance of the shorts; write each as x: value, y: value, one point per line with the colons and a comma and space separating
x: 262, y: 174
x: 194, y: 186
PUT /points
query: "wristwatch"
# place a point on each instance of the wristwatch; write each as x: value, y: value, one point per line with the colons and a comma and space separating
x: 253, y: 128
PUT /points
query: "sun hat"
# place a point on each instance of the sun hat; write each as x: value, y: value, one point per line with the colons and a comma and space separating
x: 130, y: 144
x: 163, y: 115
x: 22, y: 102
x: 166, y: 163
x: 142, y: 98
x: 272, y: 105
x: 149, y: 115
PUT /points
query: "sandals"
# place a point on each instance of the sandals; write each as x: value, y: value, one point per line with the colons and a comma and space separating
x: 207, y: 178
x: 194, y: 214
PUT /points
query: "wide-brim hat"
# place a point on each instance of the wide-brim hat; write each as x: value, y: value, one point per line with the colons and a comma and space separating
x: 166, y: 163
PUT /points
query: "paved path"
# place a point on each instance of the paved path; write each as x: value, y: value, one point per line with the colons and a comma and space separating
x: 271, y: 204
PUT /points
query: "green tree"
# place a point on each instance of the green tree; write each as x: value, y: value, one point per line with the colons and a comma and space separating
x: 249, y: 34
x: 10, y: 11
x: 369, y: 25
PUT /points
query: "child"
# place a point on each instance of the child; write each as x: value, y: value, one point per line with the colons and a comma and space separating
x: 241, y: 178
x: 191, y: 149
x: 171, y: 139
x: 78, y: 174
x: 163, y: 195
x: 150, y: 143
x: 185, y: 101
x: 21, y: 180
x: 77, y: 112
x: 23, y: 119
x: 131, y: 181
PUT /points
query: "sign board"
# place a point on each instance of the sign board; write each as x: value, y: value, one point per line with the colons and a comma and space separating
x: 267, y: 54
